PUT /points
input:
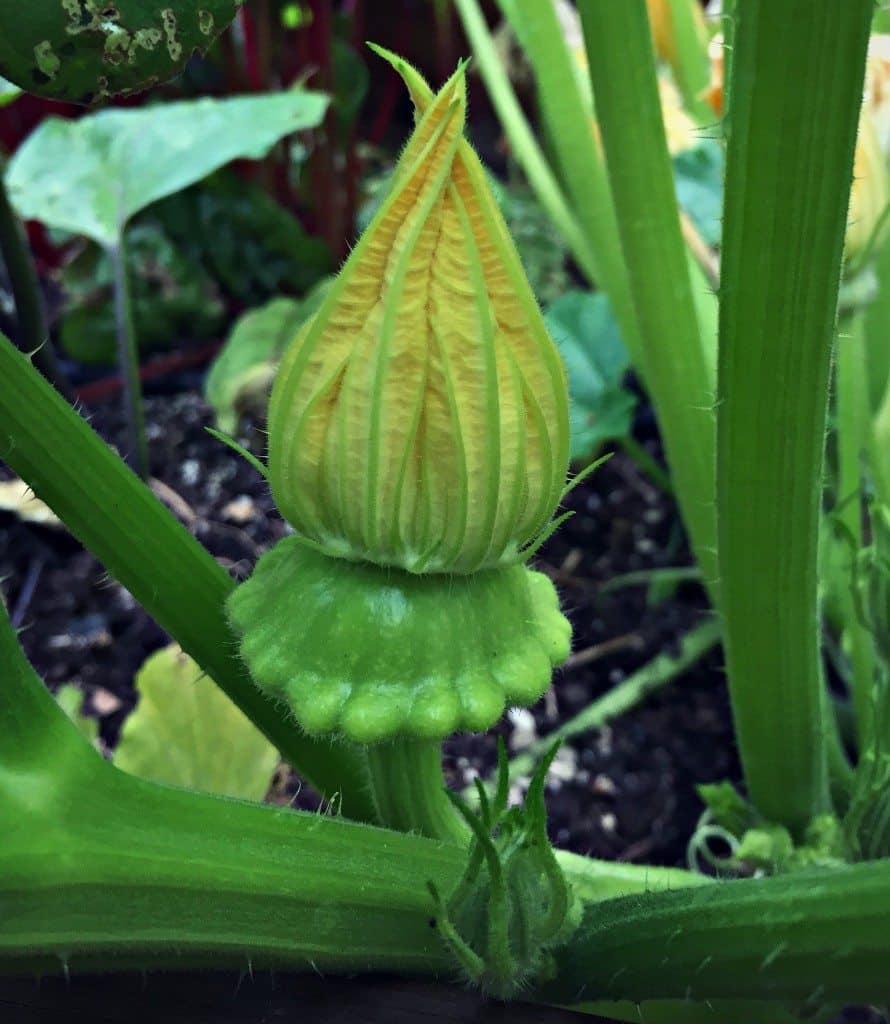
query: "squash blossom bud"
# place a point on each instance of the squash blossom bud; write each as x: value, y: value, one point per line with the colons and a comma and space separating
x: 420, y: 419
x: 418, y: 443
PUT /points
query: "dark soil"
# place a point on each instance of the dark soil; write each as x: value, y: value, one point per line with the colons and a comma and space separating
x: 626, y: 791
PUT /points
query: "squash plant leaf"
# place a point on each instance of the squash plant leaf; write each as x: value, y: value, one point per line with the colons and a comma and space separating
x: 85, y: 50
x: 70, y: 699
x: 186, y: 732
x: 8, y: 92
x: 244, y: 368
x: 698, y: 174
x: 583, y: 326
x: 92, y: 175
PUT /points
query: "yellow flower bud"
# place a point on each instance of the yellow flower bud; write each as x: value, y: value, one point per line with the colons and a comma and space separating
x: 681, y: 131
x: 420, y: 420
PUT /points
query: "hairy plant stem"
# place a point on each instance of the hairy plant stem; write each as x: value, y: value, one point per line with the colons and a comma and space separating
x: 128, y: 359
x: 798, y: 71
x: 33, y: 337
x: 755, y: 939
x: 193, y: 880
x: 160, y: 563
x: 674, y: 311
x: 100, y: 870
x: 409, y: 790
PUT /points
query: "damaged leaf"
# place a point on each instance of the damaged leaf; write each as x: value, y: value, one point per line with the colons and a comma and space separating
x: 242, y: 373
x: 81, y: 51
x: 92, y: 175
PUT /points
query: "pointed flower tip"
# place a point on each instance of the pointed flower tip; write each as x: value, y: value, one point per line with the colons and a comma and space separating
x: 420, y: 420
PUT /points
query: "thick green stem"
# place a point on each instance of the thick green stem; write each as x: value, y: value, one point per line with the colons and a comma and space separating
x: 797, y: 87
x: 162, y: 565
x: 689, y: 62
x: 190, y: 880
x: 569, y: 120
x: 30, y: 314
x: 522, y: 140
x: 812, y: 937
x: 677, y: 346
x: 99, y: 869
x: 880, y: 449
x: 193, y: 881
x: 409, y: 790
x: 128, y: 359
x: 853, y: 437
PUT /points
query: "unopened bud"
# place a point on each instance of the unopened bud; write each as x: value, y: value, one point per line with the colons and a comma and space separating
x: 420, y: 420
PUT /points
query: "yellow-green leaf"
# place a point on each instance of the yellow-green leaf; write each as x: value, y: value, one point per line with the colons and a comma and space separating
x: 185, y: 731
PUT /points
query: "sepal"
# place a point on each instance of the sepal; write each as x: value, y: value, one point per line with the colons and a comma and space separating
x: 371, y: 653
x: 513, y: 904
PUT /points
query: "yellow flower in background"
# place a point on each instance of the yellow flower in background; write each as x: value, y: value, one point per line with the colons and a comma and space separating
x: 661, y: 22
x: 714, y: 92
x: 870, y: 193
x: 877, y: 87
x: 679, y: 128
x: 420, y: 420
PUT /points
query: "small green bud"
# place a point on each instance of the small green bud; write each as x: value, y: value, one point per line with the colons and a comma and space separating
x: 768, y: 847
x: 513, y: 904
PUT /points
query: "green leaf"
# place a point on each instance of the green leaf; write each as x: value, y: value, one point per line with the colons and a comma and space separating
x: 70, y: 700
x: 90, y: 176
x: 252, y: 246
x: 698, y: 175
x: 8, y: 92
x: 582, y: 325
x: 173, y: 297
x: 246, y: 364
x: 85, y: 50
x: 186, y: 732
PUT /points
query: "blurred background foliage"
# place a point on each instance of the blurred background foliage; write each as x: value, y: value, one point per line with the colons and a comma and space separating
x: 223, y: 270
